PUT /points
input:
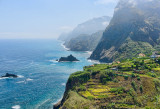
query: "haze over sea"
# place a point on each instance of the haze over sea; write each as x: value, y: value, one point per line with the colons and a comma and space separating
x: 41, y: 81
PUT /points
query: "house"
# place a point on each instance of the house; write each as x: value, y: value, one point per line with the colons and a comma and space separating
x: 91, y: 65
x: 142, y: 55
x: 118, y: 62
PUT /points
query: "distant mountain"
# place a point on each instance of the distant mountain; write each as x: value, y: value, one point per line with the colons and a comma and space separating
x: 63, y: 36
x: 134, y: 29
x: 89, y: 27
x: 84, y: 42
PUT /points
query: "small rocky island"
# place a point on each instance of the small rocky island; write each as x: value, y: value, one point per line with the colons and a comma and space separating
x: 70, y: 58
x: 9, y: 75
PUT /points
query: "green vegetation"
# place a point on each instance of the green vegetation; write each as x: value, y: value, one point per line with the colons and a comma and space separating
x: 78, y: 78
x: 132, y: 83
x: 141, y: 89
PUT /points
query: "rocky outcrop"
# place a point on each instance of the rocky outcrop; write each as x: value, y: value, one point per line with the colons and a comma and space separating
x: 134, y: 28
x: 70, y: 58
x: 9, y: 75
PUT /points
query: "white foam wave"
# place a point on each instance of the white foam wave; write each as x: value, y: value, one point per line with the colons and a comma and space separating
x: 20, y: 76
x: 54, y: 61
x: 63, y: 84
x: 16, y: 107
x: 37, y: 107
x: 58, y: 100
x: 20, y: 82
x: 29, y: 79
x: 64, y: 46
x: 4, y: 77
x: 94, y: 61
x: 89, y: 52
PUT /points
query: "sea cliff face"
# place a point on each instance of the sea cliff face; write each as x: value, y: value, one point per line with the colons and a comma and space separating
x: 74, y: 80
x: 134, y: 28
x: 84, y: 42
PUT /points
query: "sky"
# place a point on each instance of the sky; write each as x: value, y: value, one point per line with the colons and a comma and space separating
x: 48, y: 18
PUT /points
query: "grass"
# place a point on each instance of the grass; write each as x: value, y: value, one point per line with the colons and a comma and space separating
x: 86, y: 93
x: 75, y: 101
x: 157, y: 69
x: 99, y: 90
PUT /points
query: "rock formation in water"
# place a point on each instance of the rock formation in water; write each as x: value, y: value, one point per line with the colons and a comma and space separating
x: 10, y: 75
x: 69, y: 58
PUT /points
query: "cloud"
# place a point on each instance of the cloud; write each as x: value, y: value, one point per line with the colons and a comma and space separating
x: 2, y: 33
x: 66, y: 28
x: 105, y: 2
x: 105, y: 23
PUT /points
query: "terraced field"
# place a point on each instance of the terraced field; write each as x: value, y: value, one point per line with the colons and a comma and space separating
x: 133, y: 83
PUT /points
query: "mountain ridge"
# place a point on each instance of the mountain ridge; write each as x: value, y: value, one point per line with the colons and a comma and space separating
x: 80, y: 38
x: 131, y: 20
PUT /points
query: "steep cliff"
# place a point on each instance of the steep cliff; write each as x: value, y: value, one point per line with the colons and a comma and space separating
x: 134, y: 28
x: 85, y: 42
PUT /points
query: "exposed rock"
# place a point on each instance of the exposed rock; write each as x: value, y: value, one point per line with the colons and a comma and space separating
x: 10, y: 75
x: 70, y: 58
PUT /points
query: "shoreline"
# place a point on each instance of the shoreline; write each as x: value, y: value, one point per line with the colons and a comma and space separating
x: 58, y: 102
x: 62, y: 44
x: 88, y: 52
x: 68, y: 49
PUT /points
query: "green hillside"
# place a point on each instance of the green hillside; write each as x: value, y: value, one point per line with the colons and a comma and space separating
x: 133, y: 83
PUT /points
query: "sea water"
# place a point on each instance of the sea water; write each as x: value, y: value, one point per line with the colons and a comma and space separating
x: 41, y: 80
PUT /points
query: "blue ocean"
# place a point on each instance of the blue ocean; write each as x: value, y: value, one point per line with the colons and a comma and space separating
x: 41, y: 81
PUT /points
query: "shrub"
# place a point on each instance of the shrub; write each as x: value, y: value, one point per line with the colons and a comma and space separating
x: 118, y: 90
x: 90, y: 97
x: 153, y: 75
x: 134, y: 85
x: 102, y: 96
x: 94, y: 73
x: 157, y: 84
x: 133, y: 75
x: 137, y: 75
x: 102, y: 75
x: 126, y: 77
x: 138, y: 78
x: 111, y: 106
x: 104, y: 80
x: 78, y: 78
x: 115, y: 80
x: 106, y: 76
x: 81, y: 88
x: 141, y: 89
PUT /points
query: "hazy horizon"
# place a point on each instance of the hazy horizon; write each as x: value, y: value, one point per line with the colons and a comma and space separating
x: 48, y: 18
